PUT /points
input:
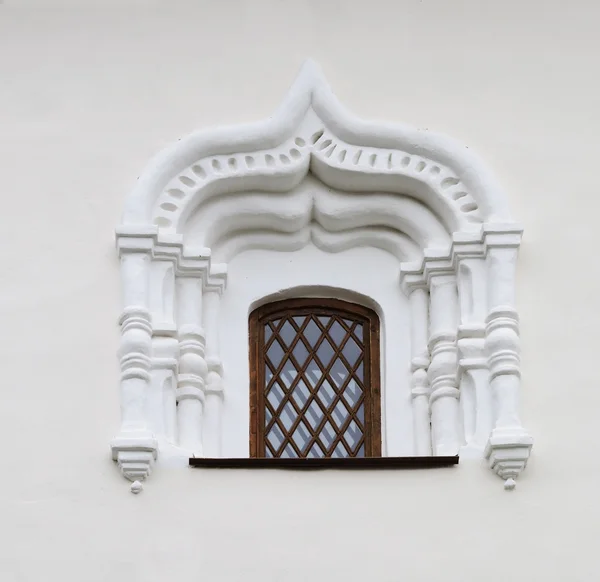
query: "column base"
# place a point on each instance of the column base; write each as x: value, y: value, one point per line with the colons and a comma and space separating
x: 135, y: 454
x: 507, y: 452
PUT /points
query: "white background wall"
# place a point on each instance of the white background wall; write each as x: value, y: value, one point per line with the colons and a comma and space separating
x: 89, y: 91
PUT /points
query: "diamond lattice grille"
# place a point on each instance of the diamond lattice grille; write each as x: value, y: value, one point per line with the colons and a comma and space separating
x: 313, y: 386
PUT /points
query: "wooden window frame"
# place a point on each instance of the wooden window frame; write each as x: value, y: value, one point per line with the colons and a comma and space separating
x: 371, y: 359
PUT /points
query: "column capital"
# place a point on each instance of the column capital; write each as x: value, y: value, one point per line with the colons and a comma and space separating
x: 189, y: 261
x: 135, y: 239
x: 217, y: 279
x: 467, y: 245
x: 502, y: 235
x: 412, y: 277
x: 437, y: 265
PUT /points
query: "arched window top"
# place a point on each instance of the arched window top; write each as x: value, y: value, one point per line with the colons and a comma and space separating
x: 314, y: 373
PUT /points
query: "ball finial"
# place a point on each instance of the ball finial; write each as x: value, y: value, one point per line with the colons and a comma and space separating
x: 136, y: 487
x: 510, y: 484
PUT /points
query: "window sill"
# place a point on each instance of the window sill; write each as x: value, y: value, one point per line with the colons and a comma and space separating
x: 315, y: 464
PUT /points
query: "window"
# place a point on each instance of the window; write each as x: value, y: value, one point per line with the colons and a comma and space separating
x: 314, y: 375
x: 315, y: 181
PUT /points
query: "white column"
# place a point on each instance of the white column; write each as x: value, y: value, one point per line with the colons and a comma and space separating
x: 475, y: 399
x: 484, y: 407
x: 135, y: 448
x: 502, y: 335
x: 165, y: 352
x: 475, y: 393
x: 442, y: 373
x: 419, y: 299
x: 214, y: 381
x: 169, y: 404
x: 509, y: 444
x: 192, y: 364
x: 163, y: 408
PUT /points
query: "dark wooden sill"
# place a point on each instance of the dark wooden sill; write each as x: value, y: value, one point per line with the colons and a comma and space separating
x: 315, y: 464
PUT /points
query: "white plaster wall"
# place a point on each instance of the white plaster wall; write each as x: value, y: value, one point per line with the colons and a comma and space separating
x: 89, y: 91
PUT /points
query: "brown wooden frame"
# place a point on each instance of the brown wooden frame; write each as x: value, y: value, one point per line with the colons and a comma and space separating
x: 371, y: 362
x: 366, y: 463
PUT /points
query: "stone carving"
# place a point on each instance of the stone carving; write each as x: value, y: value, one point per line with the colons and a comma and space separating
x: 424, y: 198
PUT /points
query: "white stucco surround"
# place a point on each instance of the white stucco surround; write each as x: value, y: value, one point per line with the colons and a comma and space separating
x: 331, y: 205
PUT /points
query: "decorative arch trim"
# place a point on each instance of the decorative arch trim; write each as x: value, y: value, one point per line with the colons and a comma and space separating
x: 310, y: 104
x: 314, y: 174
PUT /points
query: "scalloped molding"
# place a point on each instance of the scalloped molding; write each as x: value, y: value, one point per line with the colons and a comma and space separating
x: 422, y: 197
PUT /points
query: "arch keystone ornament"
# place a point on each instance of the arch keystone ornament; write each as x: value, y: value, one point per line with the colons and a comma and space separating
x: 313, y: 174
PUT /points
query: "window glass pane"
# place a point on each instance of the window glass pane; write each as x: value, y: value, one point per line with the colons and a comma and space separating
x: 300, y: 353
x: 352, y: 394
x: 314, y: 415
x: 340, y: 414
x: 275, y: 437
x: 337, y: 333
x: 360, y: 373
x: 312, y: 333
x: 301, y: 393
x: 268, y: 374
x: 288, y: 374
x: 339, y: 451
x: 315, y: 452
x: 326, y: 393
x: 289, y: 452
x: 339, y: 373
x: 325, y: 352
x: 351, y: 352
x: 313, y: 373
x: 358, y: 331
x: 275, y: 397
x: 327, y: 435
x: 301, y: 437
x: 314, y: 390
x: 287, y: 333
x: 275, y: 353
x: 287, y: 416
x: 360, y: 414
x: 299, y: 320
x: 353, y: 435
